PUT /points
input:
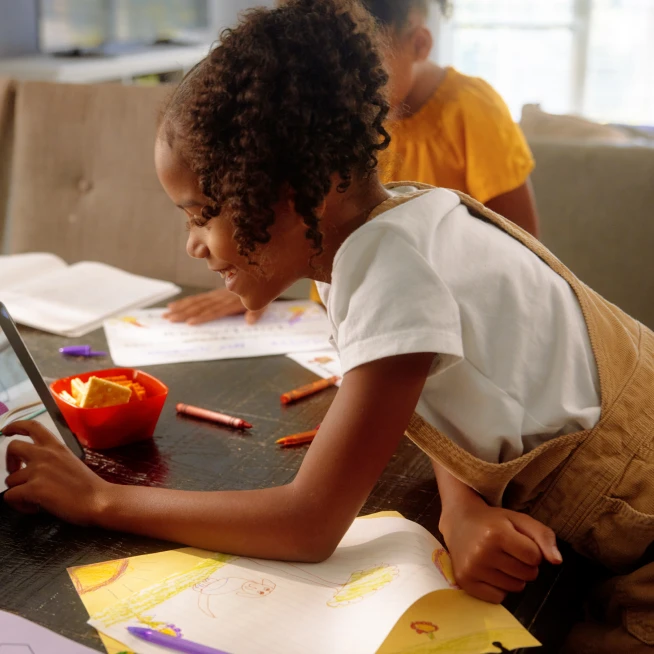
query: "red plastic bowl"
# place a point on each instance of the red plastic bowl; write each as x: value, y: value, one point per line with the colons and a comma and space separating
x: 101, y: 429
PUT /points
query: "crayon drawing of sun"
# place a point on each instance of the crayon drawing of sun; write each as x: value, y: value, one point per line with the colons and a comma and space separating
x: 131, y: 320
x: 296, y: 314
x: 363, y: 583
x: 89, y: 578
x: 424, y: 627
x: 443, y: 562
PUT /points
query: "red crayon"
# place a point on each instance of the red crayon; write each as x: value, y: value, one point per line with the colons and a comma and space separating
x: 309, y: 389
x: 213, y: 416
x: 297, y: 439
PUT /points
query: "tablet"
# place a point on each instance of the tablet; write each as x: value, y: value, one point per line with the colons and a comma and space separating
x: 24, y: 394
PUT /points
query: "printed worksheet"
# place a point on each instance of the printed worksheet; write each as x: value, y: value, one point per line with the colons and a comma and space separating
x: 145, y: 338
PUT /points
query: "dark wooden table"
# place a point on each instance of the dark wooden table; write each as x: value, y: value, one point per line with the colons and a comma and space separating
x: 193, y: 455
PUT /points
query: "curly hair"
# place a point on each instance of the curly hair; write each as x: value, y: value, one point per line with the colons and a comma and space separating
x: 287, y: 99
x: 395, y: 13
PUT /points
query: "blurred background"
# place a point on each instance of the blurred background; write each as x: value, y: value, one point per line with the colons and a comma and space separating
x: 588, y: 57
x: 82, y: 81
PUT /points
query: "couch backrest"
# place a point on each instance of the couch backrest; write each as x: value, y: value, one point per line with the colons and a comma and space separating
x: 7, y: 98
x: 596, y: 203
x: 84, y: 184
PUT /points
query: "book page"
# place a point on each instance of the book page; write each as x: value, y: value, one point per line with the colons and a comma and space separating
x: 18, y: 268
x: 145, y: 338
x: 20, y: 636
x: 73, y: 300
x: 347, y: 604
x: 444, y: 620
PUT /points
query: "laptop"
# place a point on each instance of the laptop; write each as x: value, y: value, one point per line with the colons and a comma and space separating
x: 24, y: 394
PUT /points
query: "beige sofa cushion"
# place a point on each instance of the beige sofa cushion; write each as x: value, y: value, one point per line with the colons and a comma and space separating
x: 84, y: 184
x: 596, y: 205
x: 537, y: 124
x: 7, y: 97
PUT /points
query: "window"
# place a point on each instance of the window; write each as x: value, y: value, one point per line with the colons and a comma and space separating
x: 591, y: 57
x: 86, y: 24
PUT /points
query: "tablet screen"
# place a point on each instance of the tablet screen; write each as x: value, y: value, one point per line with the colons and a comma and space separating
x: 19, y: 400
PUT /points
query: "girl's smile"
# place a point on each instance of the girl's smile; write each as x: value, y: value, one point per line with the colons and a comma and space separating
x: 288, y: 255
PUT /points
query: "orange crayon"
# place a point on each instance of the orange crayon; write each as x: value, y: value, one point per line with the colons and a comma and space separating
x: 212, y: 416
x: 309, y: 389
x: 297, y: 439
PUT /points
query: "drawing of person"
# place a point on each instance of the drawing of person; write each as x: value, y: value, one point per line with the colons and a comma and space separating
x: 212, y: 587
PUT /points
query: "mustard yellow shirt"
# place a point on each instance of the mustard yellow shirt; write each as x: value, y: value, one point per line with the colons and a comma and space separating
x: 462, y: 138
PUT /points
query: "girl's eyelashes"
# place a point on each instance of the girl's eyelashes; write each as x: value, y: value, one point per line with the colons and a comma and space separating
x: 195, y: 221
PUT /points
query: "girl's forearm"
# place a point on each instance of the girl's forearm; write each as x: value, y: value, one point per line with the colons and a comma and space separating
x: 270, y: 523
x: 456, y: 498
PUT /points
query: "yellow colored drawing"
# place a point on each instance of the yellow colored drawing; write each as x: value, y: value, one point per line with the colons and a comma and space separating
x: 465, y: 626
x: 145, y: 600
x: 142, y: 572
x: 363, y: 583
x: 89, y: 578
x: 443, y: 562
x: 131, y: 320
x: 166, y: 628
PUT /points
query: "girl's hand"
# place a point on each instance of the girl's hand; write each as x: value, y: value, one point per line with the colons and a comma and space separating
x: 212, y: 305
x: 47, y: 475
x: 496, y: 551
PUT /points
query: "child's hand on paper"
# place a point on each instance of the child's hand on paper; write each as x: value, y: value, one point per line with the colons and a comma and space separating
x: 204, y: 307
x: 47, y: 475
x: 496, y: 551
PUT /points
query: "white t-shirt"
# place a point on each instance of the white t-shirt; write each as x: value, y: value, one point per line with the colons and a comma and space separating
x: 514, y: 366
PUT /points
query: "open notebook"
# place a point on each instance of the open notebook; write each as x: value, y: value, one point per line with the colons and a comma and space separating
x: 388, y: 588
x: 40, y: 290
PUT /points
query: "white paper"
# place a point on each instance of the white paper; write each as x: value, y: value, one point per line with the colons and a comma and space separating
x: 74, y: 300
x: 20, y: 636
x: 324, y: 363
x: 348, y: 604
x: 145, y: 338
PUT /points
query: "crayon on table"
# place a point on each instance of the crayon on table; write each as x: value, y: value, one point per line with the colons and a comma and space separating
x: 309, y: 389
x: 297, y: 439
x: 212, y: 416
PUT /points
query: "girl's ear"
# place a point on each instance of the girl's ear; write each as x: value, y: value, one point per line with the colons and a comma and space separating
x: 422, y: 43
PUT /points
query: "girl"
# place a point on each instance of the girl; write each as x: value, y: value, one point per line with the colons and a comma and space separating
x: 447, y: 129
x: 533, y: 394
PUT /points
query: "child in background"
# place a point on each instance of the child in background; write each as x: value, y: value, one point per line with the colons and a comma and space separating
x: 447, y: 129
x: 534, y: 395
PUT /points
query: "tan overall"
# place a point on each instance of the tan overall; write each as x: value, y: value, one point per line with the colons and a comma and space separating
x: 594, y: 488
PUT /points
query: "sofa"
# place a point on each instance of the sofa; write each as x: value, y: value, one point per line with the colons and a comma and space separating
x: 596, y: 202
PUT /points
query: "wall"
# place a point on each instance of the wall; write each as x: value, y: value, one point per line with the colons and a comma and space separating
x: 18, y: 27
